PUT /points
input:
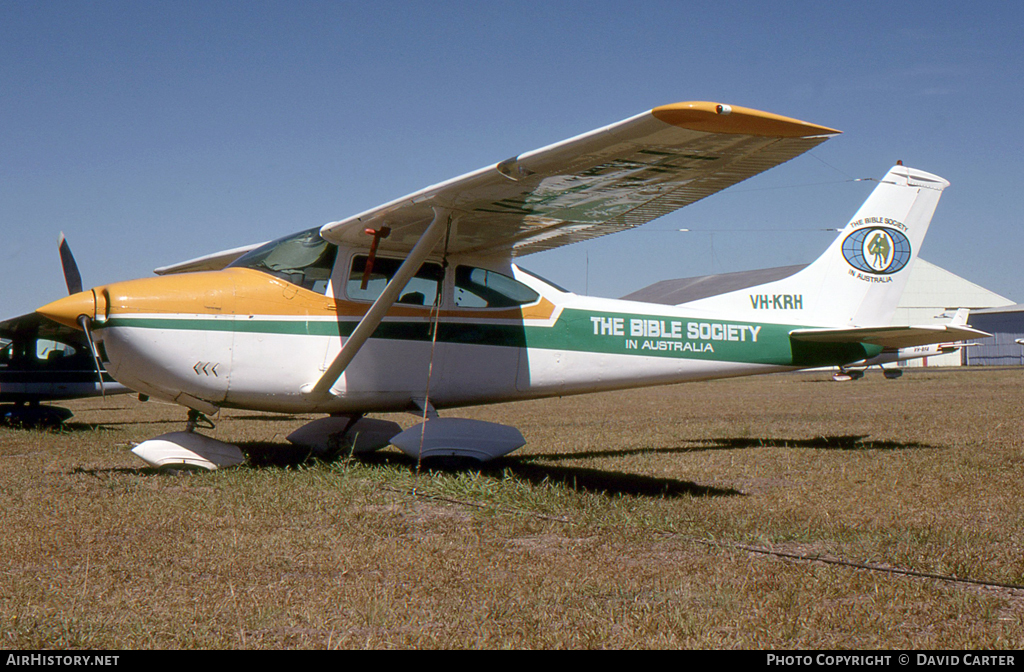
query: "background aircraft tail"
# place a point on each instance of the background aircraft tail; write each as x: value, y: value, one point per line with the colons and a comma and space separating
x: 859, y: 279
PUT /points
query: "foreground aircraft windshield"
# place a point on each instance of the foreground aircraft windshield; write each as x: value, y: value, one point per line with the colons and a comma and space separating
x: 303, y: 259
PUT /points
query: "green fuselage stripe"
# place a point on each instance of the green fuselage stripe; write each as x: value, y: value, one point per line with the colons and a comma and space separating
x: 575, y: 330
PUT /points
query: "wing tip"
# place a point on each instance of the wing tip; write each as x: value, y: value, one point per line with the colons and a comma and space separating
x: 720, y: 118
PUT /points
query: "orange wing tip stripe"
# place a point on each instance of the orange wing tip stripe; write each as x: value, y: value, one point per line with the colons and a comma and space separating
x: 717, y: 118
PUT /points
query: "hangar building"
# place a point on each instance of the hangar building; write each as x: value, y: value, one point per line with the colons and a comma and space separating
x: 1006, y: 324
x: 932, y: 295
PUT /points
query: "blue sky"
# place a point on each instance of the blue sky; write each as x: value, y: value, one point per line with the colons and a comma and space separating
x: 154, y: 132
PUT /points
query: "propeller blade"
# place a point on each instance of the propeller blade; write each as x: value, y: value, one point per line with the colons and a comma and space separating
x: 85, y: 323
x: 71, y: 275
x: 73, y: 278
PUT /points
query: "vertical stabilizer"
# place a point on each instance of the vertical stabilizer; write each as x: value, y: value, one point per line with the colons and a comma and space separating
x: 859, y: 279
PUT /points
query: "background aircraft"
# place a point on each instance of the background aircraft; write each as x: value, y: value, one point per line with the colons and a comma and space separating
x: 856, y: 370
x: 41, y: 360
x: 416, y: 304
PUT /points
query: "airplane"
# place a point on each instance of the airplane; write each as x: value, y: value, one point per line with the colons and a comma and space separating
x: 856, y: 370
x: 416, y: 305
x: 41, y: 361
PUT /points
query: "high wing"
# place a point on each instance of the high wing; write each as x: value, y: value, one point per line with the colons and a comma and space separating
x: 601, y: 182
x: 608, y: 180
x: 891, y: 337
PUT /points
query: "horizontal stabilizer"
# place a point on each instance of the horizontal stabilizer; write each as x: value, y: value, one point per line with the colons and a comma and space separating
x: 890, y: 337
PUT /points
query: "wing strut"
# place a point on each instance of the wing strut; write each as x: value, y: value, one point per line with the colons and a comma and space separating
x: 373, y: 317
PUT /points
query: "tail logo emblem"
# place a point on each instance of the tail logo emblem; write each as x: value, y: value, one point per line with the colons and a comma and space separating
x: 877, y: 250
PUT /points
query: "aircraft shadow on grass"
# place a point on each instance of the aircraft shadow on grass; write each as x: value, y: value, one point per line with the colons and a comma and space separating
x: 581, y: 479
x: 263, y: 455
x: 606, y: 482
x: 845, y: 442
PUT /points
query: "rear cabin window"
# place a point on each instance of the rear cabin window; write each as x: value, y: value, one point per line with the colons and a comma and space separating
x: 421, y: 290
x: 304, y: 259
x: 481, y: 288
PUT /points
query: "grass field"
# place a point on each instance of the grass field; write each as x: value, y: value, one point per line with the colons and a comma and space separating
x: 784, y: 511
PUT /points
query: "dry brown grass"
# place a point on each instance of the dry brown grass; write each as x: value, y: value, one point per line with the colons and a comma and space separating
x: 620, y: 524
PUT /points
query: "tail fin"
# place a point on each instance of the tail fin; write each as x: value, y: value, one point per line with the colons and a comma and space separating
x: 859, y: 279
x: 959, y: 319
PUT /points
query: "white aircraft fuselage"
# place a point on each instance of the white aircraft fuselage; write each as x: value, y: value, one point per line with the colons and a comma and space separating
x: 260, y: 333
x: 243, y: 338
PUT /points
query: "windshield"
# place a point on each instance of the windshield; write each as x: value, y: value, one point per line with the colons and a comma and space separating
x: 303, y: 259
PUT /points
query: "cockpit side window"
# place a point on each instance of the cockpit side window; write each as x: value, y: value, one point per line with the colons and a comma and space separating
x: 49, y: 351
x: 482, y: 288
x: 421, y: 290
x: 6, y: 352
x: 303, y: 259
